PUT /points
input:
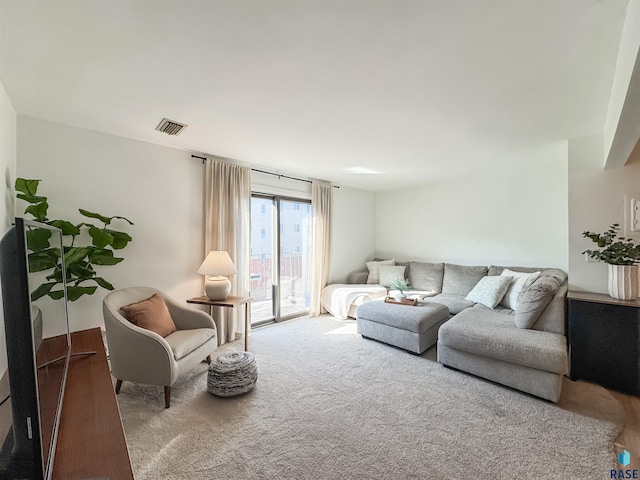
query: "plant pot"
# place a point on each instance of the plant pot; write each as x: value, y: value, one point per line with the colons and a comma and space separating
x: 623, y: 281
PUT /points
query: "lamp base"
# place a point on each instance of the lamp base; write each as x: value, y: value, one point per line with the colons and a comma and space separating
x: 217, y: 288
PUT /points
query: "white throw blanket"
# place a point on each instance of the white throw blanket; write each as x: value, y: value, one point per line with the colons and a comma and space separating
x: 338, y: 298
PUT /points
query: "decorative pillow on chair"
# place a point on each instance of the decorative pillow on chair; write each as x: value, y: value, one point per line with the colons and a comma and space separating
x: 519, y: 283
x: 489, y: 290
x: 151, y: 314
x: 372, y: 266
x: 389, y: 274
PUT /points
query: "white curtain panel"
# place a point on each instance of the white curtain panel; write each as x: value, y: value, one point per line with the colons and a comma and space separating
x: 227, y: 227
x: 322, y: 199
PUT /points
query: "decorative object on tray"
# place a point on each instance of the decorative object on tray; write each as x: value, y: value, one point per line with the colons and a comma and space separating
x: 622, y: 256
x: 404, y: 301
x: 402, y: 285
x: 232, y: 374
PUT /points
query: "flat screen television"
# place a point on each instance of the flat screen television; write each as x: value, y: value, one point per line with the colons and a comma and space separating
x: 38, y: 347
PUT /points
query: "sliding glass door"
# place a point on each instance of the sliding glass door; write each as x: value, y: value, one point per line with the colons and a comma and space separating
x: 280, y: 258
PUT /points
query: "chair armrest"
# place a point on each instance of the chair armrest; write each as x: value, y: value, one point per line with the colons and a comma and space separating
x: 187, y: 318
x: 137, y: 354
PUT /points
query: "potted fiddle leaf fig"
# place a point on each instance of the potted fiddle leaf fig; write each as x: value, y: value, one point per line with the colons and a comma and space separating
x: 79, y: 260
x: 622, y: 256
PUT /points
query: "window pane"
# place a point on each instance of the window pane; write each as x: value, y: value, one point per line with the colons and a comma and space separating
x: 295, y: 258
x: 261, y: 258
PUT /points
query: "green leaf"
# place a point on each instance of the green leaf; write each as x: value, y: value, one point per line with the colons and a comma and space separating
x: 42, y: 290
x: 103, y: 283
x: 41, y: 261
x: 56, y: 275
x: 101, y: 238
x: 104, y: 257
x: 81, y: 270
x: 39, y: 211
x: 74, y: 293
x: 120, y: 239
x: 38, y: 239
x: 31, y: 198
x: 56, y: 294
x: 75, y: 254
x: 67, y: 228
x: 28, y: 187
x: 102, y: 218
x: 123, y: 218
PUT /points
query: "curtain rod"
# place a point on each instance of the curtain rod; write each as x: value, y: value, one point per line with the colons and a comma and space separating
x: 204, y: 159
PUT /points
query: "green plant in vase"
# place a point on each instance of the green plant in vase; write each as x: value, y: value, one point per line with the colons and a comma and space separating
x: 402, y: 285
x: 622, y: 256
x: 79, y: 260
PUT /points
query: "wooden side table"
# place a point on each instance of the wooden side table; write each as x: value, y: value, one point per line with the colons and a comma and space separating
x: 604, y: 340
x: 229, y: 302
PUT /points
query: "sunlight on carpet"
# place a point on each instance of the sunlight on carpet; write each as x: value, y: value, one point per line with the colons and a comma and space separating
x: 331, y: 405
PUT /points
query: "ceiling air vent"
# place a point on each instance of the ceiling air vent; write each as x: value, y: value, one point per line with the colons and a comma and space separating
x: 170, y: 127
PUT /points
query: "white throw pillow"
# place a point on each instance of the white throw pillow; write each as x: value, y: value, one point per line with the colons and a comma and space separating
x: 519, y: 283
x: 372, y: 266
x: 388, y: 274
x: 489, y: 290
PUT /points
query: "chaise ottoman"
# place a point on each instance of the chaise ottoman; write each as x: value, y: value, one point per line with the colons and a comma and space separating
x: 413, y: 328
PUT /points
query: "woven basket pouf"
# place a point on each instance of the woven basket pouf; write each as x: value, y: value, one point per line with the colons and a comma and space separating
x: 232, y: 374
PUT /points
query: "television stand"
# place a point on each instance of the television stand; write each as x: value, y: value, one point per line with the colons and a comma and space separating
x: 91, y: 441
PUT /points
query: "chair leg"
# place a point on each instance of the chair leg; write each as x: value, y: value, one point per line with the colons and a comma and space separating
x: 118, y: 385
x: 167, y: 397
x: 208, y: 359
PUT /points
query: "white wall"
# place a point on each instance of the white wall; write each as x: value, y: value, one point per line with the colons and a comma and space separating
x: 596, y: 200
x: 515, y: 216
x: 353, y: 231
x: 158, y: 188
x: 8, y: 169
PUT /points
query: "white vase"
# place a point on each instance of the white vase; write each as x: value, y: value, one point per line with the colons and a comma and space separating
x: 400, y: 297
x: 623, y: 281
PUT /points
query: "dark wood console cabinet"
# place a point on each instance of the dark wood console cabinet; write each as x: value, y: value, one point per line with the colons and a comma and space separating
x: 91, y: 441
x: 604, y: 340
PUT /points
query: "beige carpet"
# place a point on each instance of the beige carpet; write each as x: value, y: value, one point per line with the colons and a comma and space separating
x: 331, y: 405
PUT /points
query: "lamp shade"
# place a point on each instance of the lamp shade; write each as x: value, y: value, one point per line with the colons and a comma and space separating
x: 217, y: 263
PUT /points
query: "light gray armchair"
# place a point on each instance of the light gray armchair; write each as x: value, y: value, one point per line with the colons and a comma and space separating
x: 142, y: 356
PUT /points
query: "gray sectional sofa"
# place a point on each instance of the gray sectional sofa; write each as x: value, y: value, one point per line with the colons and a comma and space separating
x: 525, y: 348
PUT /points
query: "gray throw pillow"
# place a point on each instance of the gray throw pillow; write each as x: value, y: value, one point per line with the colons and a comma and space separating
x: 534, y: 300
x: 489, y: 291
x: 388, y: 274
x: 425, y: 276
x: 460, y: 279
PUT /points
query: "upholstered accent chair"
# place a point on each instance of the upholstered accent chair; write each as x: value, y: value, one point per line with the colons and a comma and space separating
x: 143, y: 356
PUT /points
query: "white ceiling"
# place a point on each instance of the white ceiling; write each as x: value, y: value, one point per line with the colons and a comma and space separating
x: 417, y: 90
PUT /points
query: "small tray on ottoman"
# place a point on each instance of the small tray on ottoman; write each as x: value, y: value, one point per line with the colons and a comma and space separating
x: 404, y: 301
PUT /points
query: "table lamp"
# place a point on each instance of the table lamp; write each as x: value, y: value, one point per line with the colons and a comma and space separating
x: 217, y: 266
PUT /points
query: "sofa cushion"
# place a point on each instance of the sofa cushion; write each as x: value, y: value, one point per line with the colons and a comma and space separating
x: 460, y: 279
x: 455, y: 303
x: 389, y: 274
x: 373, y: 266
x: 497, y: 270
x: 489, y: 290
x: 426, y: 276
x: 519, y: 283
x: 493, y: 335
x: 415, y: 319
x: 535, y: 299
